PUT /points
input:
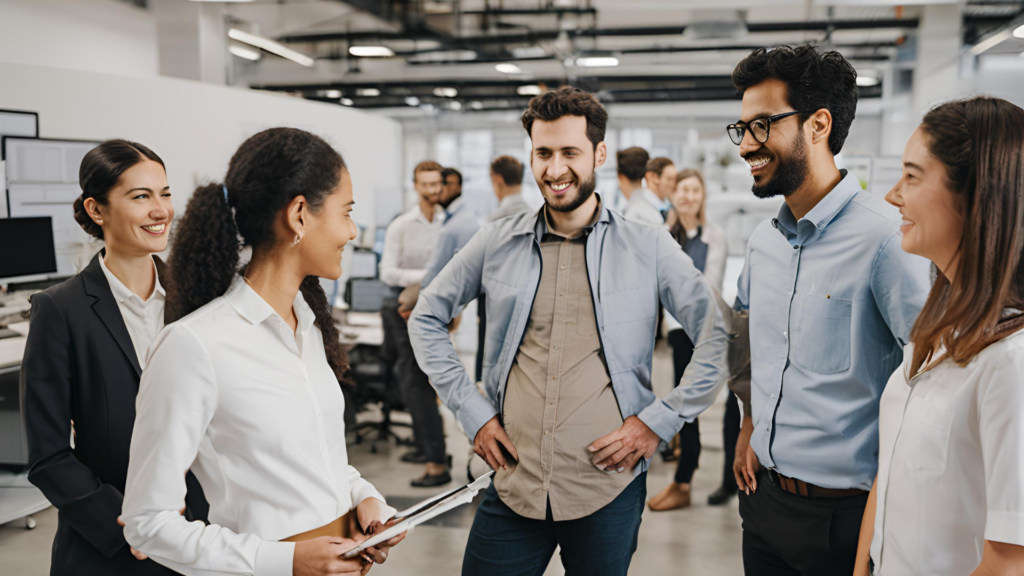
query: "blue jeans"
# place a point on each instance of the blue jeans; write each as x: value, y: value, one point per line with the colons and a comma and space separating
x: 503, y: 543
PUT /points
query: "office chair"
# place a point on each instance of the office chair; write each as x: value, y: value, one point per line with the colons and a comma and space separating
x: 375, y: 383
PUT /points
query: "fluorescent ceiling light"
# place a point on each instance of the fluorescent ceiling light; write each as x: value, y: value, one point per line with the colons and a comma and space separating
x: 530, y: 90
x: 508, y: 68
x: 1019, y: 32
x: 476, y: 105
x: 444, y: 56
x: 455, y: 105
x: 346, y: 102
x: 270, y: 46
x: 412, y: 101
x: 371, y: 51
x: 529, y: 52
x: 244, y: 52
x: 331, y: 94
x: 445, y: 92
x: 597, y: 61
x: 865, y: 81
x: 368, y: 92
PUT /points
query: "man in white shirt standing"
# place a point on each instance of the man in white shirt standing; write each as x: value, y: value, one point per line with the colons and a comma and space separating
x: 631, y: 164
x: 507, y: 180
x: 408, y: 247
x: 651, y: 204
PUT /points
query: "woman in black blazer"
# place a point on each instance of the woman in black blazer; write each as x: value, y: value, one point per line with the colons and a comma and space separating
x: 85, y: 352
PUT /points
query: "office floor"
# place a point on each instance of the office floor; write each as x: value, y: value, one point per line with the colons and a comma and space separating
x: 701, y: 540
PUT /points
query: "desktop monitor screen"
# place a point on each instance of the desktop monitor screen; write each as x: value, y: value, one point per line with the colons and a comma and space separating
x: 28, y: 248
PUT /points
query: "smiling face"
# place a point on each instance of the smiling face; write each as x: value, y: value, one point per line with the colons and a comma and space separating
x: 138, y: 213
x: 780, y: 165
x: 428, y: 185
x: 933, y: 220
x: 563, y: 161
x: 328, y: 230
x: 688, y: 196
x: 662, y: 184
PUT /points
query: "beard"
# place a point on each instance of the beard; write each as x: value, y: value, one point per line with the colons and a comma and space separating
x: 584, y: 190
x: 789, y: 175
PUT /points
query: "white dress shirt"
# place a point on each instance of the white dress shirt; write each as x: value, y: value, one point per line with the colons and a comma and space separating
x: 951, y: 463
x: 258, y: 415
x: 142, y: 318
x: 408, y: 245
x: 645, y: 206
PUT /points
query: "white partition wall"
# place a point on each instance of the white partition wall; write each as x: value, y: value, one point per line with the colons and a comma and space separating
x: 196, y: 127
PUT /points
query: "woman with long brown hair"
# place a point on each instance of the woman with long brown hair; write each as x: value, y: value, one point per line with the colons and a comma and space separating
x: 949, y: 496
x: 243, y: 386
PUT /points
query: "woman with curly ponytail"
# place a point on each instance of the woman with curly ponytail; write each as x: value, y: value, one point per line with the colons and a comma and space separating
x: 243, y: 386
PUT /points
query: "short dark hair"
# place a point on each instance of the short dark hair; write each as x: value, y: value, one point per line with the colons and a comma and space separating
x: 568, y: 101
x: 426, y: 166
x: 815, y: 79
x: 632, y: 163
x: 100, y: 171
x: 658, y: 165
x: 510, y: 170
x: 448, y: 172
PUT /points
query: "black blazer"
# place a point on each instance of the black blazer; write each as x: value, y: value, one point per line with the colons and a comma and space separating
x: 80, y: 365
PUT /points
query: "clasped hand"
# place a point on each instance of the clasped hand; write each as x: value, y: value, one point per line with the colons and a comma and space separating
x: 323, y: 555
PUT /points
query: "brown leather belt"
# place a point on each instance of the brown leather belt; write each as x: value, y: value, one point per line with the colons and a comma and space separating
x: 345, y: 527
x: 801, y: 488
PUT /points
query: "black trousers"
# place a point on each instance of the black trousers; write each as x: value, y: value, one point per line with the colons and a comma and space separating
x: 789, y: 535
x: 689, y: 436
x: 418, y: 395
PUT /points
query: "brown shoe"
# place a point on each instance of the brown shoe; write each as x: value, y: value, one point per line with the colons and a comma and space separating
x: 673, y: 497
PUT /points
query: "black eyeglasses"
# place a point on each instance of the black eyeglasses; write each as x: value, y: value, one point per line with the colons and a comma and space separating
x: 760, y: 128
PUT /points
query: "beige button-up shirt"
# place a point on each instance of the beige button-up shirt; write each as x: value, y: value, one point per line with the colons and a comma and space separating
x: 559, y: 397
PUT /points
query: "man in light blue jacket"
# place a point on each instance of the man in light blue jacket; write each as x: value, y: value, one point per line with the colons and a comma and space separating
x: 567, y: 417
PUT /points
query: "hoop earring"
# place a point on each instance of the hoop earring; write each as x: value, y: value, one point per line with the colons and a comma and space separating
x: 297, y: 240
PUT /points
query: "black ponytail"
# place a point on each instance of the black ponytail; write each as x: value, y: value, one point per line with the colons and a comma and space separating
x: 265, y: 174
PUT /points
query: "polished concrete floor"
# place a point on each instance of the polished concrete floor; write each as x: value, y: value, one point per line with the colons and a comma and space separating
x: 700, y: 541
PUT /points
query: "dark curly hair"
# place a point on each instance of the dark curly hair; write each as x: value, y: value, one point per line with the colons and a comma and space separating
x: 265, y: 174
x: 99, y: 172
x: 568, y: 101
x: 632, y: 163
x: 816, y: 80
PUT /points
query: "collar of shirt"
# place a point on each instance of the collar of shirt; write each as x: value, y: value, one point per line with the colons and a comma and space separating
x: 658, y: 203
x: 122, y: 293
x: 439, y: 215
x: 255, y: 309
x: 810, y: 227
x: 509, y: 199
x: 456, y: 206
x: 546, y: 229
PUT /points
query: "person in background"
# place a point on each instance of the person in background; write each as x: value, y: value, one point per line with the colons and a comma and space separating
x: 630, y: 164
x: 507, y: 181
x: 831, y: 300
x: 87, y: 347
x: 949, y: 496
x: 705, y: 244
x: 244, y: 385
x: 567, y: 419
x: 409, y: 243
x: 651, y: 205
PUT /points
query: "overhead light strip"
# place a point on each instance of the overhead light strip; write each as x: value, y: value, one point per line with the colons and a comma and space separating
x: 271, y: 46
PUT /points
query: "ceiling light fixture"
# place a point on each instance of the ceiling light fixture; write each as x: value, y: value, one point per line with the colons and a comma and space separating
x: 455, y: 105
x: 346, y: 102
x: 368, y: 92
x: 371, y: 51
x: 244, y: 52
x: 476, y: 105
x: 332, y: 94
x: 865, y: 81
x: 529, y: 90
x: 529, y: 52
x: 442, y: 92
x: 597, y: 61
x: 508, y: 68
x: 412, y: 101
x: 1019, y: 32
x: 271, y: 46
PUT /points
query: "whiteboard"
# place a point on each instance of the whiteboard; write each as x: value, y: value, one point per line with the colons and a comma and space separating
x: 42, y: 180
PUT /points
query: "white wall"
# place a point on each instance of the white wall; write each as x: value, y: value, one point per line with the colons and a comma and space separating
x: 196, y: 127
x: 96, y: 35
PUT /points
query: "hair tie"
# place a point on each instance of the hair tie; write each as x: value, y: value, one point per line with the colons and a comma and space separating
x: 224, y: 187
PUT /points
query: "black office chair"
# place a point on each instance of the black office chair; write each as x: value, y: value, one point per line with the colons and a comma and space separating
x: 374, y: 383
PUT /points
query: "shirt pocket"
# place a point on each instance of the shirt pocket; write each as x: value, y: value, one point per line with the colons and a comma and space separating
x: 929, y: 425
x: 821, y: 342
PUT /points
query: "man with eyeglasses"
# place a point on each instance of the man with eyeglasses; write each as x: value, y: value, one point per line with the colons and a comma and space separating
x: 831, y: 300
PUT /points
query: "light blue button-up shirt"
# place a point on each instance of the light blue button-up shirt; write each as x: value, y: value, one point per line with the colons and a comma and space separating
x: 832, y: 299
x: 460, y: 224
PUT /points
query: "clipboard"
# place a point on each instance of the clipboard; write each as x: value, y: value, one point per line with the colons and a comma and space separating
x: 424, y: 511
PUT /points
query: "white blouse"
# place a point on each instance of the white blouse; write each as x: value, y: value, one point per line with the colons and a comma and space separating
x: 258, y: 415
x: 143, y: 318
x: 951, y: 463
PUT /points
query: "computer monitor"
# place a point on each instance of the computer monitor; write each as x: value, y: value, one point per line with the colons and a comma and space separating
x: 32, y: 255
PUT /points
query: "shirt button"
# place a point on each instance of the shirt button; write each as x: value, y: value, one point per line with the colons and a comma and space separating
x: 797, y: 247
x: 773, y: 395
x: 556, y: 347
x: 554, y: 377
x: 785, y: 333
x: 562, y: 267
x: 547, y: 432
